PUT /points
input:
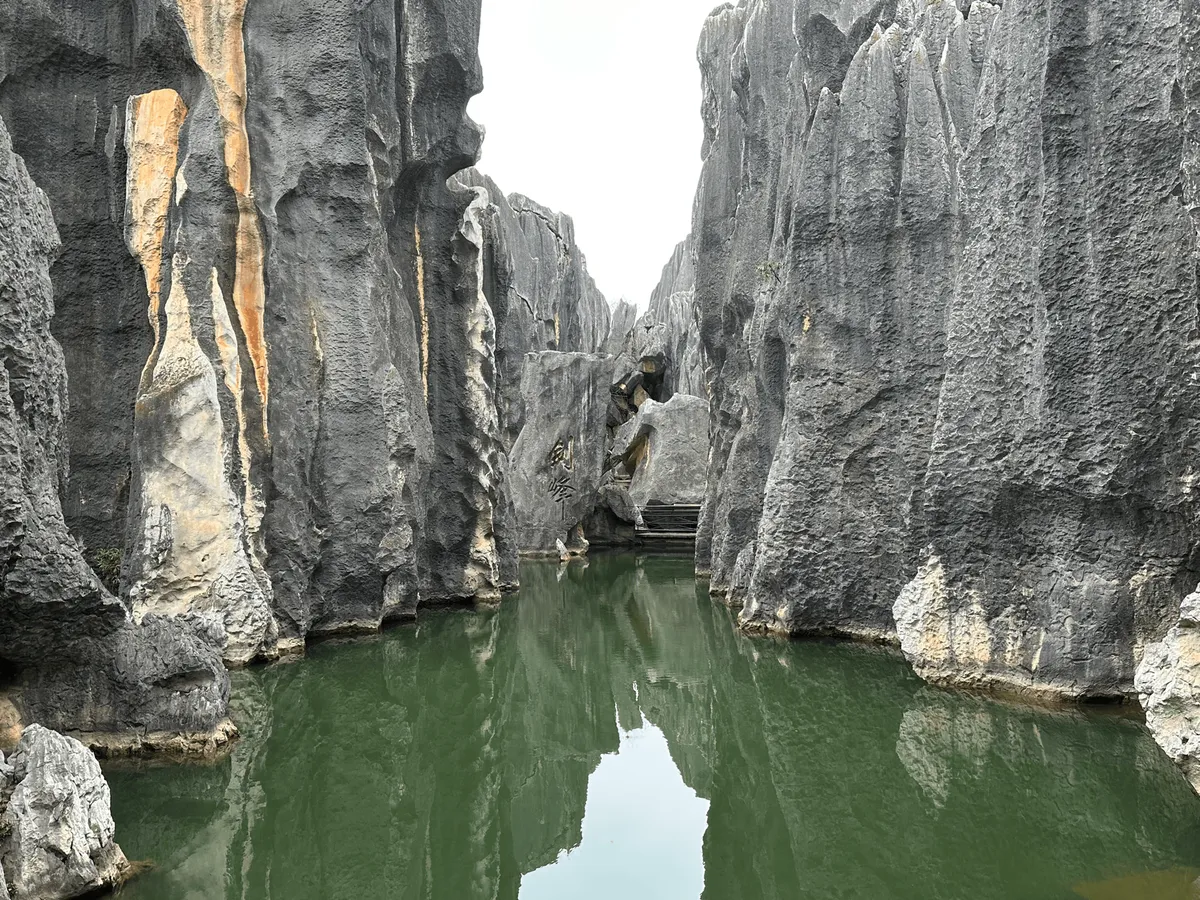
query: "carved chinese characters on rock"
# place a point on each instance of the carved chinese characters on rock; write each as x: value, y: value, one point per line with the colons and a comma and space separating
x: 562, y: 466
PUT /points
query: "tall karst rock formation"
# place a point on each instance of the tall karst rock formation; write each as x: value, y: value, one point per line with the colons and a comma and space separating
x: 84, y: 663
x: 551, y: 380
x: 293, y: 340
x: 292, y: 351
x: 946, y: 274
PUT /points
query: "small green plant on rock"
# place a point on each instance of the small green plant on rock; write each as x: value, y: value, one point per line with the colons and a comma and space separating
x: 106, y: 563
x: 768, y: 272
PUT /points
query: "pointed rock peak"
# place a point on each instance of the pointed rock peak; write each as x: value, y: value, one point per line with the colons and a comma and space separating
x: 919, y: 54
x: 890, y: 45
x: 895, y: 35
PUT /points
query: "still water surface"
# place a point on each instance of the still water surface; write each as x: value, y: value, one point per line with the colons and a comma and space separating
x: 608, y: 734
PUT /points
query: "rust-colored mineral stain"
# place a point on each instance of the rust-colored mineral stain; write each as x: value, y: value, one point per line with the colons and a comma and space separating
x: 424, y: 314
x: 214, y: 29
x: 152, y: 125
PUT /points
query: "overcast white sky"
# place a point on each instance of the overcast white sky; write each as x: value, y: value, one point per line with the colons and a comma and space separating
x: 593, y: 109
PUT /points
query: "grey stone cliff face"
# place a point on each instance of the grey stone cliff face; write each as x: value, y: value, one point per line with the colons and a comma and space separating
x: 295, y: 312
x: 79, y: 659
x: 1061, y: 523
x: 946, y: 281
x: 537, y: 284
x: 57, y: 839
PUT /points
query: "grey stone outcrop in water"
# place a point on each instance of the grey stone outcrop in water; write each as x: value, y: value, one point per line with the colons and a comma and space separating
x: 665, y: 448
x: 946, y: 282
x: 1168, y: 683
x: 56, y: 826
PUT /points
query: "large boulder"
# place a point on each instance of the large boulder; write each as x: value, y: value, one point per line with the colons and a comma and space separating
x: 56, y: 831
x: 558, y: 459
x: 665, y: 447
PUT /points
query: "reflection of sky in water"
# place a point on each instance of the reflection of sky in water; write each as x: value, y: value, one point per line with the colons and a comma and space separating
x: 643, y: 831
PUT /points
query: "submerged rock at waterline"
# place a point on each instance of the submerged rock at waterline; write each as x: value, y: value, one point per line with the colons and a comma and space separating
x: 56, y: 826
x: 558, y: 459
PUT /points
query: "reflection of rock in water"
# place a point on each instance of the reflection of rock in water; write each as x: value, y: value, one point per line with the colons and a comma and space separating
x: 932, y: 735
x: 449, y: 759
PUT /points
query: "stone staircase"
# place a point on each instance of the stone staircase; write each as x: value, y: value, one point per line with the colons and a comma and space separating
x: 669, y: 526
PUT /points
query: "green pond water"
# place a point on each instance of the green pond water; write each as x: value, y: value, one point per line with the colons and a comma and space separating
x: 609, y: 734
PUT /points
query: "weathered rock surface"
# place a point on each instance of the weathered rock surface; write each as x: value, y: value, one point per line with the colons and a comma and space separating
x: 623, y: 317
x: 558, y: 459
x: 537, y: 284
x: 665, y: 448
x: 1058, y: 498
x: 56, y: 826
x: 949, y: 327
x: 79, y: 660
x: 298, y: 323
x: 1168, y: 683
x: 660, y: 355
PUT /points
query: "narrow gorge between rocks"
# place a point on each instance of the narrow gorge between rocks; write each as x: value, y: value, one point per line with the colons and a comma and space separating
x: 609, y: 732
x: 354, y: 544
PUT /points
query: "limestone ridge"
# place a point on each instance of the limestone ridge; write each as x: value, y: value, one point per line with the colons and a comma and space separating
x: 551, y: 380
x: 293, y: 304
x: 947, y: 295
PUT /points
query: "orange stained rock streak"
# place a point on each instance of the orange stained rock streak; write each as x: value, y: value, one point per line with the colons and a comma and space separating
x: 424, y: 313
x: 214, y: 29
x: 152, y: 125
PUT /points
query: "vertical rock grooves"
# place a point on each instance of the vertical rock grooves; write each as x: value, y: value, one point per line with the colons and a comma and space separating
x: 945, y: 274
x: 214, y: 31
x: 189, y: 552
x: 79, y: 662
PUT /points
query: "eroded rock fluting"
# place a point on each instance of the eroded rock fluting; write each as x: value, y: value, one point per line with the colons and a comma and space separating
x: 947, y: 293
x: 293, y: 340
x: 72, y: 655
